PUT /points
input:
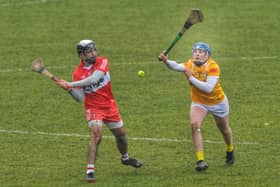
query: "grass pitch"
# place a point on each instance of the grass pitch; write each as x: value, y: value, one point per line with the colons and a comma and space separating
x: 43, y: 132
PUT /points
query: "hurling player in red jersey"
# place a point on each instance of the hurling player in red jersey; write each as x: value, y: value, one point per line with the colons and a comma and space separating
x: 92, y: 85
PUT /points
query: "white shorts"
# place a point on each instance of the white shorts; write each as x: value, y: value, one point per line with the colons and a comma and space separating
x: 109, y: 124
x: 221, y: 110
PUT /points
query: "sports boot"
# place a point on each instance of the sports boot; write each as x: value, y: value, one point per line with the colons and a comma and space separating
x: 201, y: 165
x: 90, y: 177
x: 229, y: 158
x: 132, y: 162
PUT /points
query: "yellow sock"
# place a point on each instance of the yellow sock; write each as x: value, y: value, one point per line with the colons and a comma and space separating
x: 200, y: 155
x: 229, y: 148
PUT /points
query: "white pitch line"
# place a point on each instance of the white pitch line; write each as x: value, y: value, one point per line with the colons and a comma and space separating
x: 14, y: 70
x: 259, y: 58
x: 131, y: 138
x: 23, y: 3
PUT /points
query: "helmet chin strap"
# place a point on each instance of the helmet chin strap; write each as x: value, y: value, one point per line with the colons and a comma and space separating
x: 90, y: 60
x: 199, y: 63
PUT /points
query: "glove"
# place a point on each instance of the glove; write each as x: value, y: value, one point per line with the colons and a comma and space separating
x: 63, y: 84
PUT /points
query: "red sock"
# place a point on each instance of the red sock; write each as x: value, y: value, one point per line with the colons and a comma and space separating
x: 90, y: 168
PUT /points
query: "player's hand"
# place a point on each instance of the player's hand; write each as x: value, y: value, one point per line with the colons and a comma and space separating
x: 163, y: 57
x: 188, y: 73
x: 63, y: 84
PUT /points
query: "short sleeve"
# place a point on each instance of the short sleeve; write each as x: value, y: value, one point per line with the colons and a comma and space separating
x: 102, y: 64
x: 76, y: 76
x: 214, y: 70
x: 187, y: 64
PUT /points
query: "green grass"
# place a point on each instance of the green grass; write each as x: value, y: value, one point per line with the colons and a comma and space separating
x: 245, y: 42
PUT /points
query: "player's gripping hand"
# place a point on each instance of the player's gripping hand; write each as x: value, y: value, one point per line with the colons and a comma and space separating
x: 62, y: 84
x: 188, y: 73
x: 163, y: 57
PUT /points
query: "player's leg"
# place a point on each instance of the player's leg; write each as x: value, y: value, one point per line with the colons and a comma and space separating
x: 94, y: 117
x: 120, y: 135
x: 223, y: 126
x: 118, y: 131
x: 114, y: 122
x: 220, y: 113
x: 197, y: 115
x: 95, y: 132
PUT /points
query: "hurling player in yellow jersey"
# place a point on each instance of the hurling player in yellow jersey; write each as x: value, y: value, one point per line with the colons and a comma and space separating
x: 207, y: 95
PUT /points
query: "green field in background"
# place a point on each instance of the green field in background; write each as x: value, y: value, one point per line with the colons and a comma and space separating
x: 43, y: 132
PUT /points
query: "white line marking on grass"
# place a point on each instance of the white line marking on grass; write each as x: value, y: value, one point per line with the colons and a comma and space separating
x: 14, y: 70
x: 259, y: 58
x: 23, y: 3
x: 130, y: 138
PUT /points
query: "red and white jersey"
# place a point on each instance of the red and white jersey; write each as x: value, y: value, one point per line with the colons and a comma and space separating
x: 98, y: 95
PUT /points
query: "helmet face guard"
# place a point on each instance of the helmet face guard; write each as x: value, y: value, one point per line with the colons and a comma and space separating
x: 85, y: 46
x: 202, y: 46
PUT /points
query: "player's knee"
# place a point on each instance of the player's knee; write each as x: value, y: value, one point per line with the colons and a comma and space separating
x: 95, y: 140
x: 195, y: 124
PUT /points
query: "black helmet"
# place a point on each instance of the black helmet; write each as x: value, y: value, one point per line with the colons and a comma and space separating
x: 84, y: 46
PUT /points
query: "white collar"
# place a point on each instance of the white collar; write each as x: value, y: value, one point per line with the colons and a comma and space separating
x: 87, y: 67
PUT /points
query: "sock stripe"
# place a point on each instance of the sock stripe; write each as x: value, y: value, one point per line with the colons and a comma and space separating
x: 90, y: 168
